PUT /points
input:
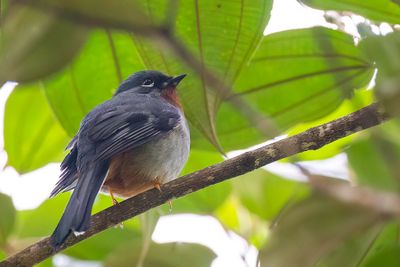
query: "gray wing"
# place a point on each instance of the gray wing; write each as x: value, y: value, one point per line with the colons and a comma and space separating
x: 119, y: 130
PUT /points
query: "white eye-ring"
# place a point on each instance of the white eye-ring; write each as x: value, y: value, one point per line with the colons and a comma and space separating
x: 148, y: 83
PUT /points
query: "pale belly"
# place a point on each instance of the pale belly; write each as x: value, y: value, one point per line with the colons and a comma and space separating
x: 156, y: 162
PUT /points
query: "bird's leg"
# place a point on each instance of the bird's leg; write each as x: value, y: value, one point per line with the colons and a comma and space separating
x: 114, y: 201
x: 157, y: 185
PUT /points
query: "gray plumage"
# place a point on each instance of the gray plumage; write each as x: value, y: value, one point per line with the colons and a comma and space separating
x: 138, y: 122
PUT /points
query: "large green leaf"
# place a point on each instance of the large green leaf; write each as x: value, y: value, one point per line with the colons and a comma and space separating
x: 222, y: 35
x: 35, y: 44
x: 382, y: 10
x: 313, y: 229
x: 91, y: 79
x: 295, y: 76
x: 161, y: 255
x: 7, y: 217
x: 32, y: 135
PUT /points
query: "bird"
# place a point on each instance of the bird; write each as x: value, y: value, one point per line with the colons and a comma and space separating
x: 133, y: 142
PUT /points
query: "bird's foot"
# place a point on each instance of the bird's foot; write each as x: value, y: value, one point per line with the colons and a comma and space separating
x: 157, y: 185
x: 115, y: 202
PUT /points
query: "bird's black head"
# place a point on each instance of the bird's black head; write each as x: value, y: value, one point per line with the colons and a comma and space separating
x: 148, y: 81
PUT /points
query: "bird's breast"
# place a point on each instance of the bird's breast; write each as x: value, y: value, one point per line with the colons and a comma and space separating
x: 160, y: 160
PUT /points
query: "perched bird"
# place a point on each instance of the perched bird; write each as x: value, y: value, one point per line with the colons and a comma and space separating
x: 133, y: 142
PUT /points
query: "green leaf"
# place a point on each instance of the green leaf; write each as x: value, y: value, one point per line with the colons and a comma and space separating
x: 36, y: 44
x: 352, y: 252
x: 123, y: 14
x: 7, y: 217
x: 295, y: 76
x: 46, y: 263
x: 384, y: 50
x: 100, y: 246
x: 3, y: 255
x: 375, y: 162
x: 387, y: 257
x: 223, y: 35
x: 387, y: 238
x: 312, y: 229
x: 32, y: 136
x: 91, y: 79
x: 161, y: 255
x: 266, y: 194
x: 382, y: 10
x: 31, y: 221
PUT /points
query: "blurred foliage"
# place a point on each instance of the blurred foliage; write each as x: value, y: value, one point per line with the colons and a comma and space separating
x: 315, y: 227
x: 7, y: 215
x: 69, y: 56
x: 162, y: 255
x: 33, y: 137
x: 29, y: 36
x: 384, y: 10
x: 383, y: 50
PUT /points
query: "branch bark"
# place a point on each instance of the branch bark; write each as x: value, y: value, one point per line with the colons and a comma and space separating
x: 311, y: 139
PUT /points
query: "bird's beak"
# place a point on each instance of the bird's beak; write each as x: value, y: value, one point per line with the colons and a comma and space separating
x: 174, y: 81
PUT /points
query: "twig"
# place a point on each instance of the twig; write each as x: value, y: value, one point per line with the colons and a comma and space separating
x: 311, y: 139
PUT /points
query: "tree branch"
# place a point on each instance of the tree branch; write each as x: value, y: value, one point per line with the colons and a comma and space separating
x: 311, y: 139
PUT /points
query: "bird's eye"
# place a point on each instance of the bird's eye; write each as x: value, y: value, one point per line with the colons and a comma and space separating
x: 148, y: 83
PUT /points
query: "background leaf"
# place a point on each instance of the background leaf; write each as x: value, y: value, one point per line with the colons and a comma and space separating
x: 161, y: 255
x: 7, y: 218
x: 266, y: 194
x: 382, y: 10
x: 123, y: 14
x: 32, y: 135
x: 388, y: 237
x: 297, y: 240
x: 295, y: 76
x: 368, y: 158
x: 384, y: 50
x: 27, y: 54
x: 92, y: 78
x: 387, y: 257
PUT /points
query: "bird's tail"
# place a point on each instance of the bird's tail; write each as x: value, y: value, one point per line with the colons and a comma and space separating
x: 76, y: 216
